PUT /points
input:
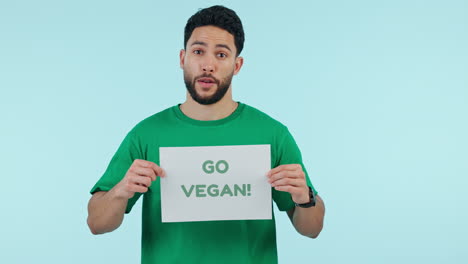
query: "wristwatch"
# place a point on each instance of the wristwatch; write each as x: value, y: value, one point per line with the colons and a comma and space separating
x: 312, y: 200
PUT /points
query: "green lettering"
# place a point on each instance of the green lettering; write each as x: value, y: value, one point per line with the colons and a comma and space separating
x: 226, y: 190
x: 208, y: 166
x: 189, y: 192
x: 213, y: 190
x: 240, y: 190
x: 201, y: 190
x: 226, y: 166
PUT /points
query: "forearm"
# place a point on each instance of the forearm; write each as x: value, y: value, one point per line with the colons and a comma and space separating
x: 308, y: 221
x: 105, y: 212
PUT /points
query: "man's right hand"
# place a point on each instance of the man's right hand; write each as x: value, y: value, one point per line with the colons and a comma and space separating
x: 138, y: 178
x: 106, y: 209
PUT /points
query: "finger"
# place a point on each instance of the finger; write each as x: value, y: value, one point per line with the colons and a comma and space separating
x: 289, y: 181
x: 288, y: 188
x: 138, y: 188
x: 286, y: 174
x: 142, y: 171
x: 284, y: 167
x: 141, y: 180
x: 142, y: 163
x: 158, y: 170
x: 148, y: 164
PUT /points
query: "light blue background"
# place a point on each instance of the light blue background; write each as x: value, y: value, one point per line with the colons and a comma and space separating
x: 375, y: 93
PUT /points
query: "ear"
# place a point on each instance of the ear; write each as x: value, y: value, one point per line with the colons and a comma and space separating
x: 239, y: 62
x: 182, y: 58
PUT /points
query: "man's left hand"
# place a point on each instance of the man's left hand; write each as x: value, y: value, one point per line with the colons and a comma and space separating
x: 290, y: 178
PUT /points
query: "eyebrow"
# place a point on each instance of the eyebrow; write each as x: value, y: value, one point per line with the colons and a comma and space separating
x: 217, y: 45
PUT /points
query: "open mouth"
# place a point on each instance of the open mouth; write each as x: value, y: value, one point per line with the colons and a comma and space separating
x: 206, y: 82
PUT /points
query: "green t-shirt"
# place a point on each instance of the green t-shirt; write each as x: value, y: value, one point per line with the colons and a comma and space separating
x: 245, y: 241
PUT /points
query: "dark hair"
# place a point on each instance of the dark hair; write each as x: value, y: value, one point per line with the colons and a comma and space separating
x: 218, y: 16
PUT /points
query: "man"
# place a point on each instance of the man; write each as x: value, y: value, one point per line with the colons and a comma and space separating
x: 214, y: 39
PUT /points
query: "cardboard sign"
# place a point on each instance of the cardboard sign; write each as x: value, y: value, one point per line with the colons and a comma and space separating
x: 215, y: 183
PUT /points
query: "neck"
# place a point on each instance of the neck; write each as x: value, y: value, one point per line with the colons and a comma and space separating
x: 219, y: 110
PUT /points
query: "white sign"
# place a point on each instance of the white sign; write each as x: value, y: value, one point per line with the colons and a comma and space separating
x: 215, y: 183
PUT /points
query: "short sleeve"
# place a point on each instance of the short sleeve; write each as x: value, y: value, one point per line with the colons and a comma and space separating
x: 288, y: 153
x: 127, y: 152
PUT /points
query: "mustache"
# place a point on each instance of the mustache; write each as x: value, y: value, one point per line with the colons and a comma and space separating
x: 206, y: 75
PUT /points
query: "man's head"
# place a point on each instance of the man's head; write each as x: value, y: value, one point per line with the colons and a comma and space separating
x: 214, y: 38
x: 218, y: 16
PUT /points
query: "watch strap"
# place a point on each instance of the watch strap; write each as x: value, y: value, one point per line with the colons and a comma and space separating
x: 311, y: 203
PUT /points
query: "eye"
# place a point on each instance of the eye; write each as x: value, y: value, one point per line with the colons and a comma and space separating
x: 198, y: 52
x: 222, y: 55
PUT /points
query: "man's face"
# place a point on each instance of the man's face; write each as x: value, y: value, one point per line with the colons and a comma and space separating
x: 209, y: 62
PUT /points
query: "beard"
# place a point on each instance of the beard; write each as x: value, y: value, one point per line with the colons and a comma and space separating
x: 222, y: 88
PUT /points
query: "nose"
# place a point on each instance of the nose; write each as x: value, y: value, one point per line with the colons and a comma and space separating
x: 208, y: 68
x: 208, y: 65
